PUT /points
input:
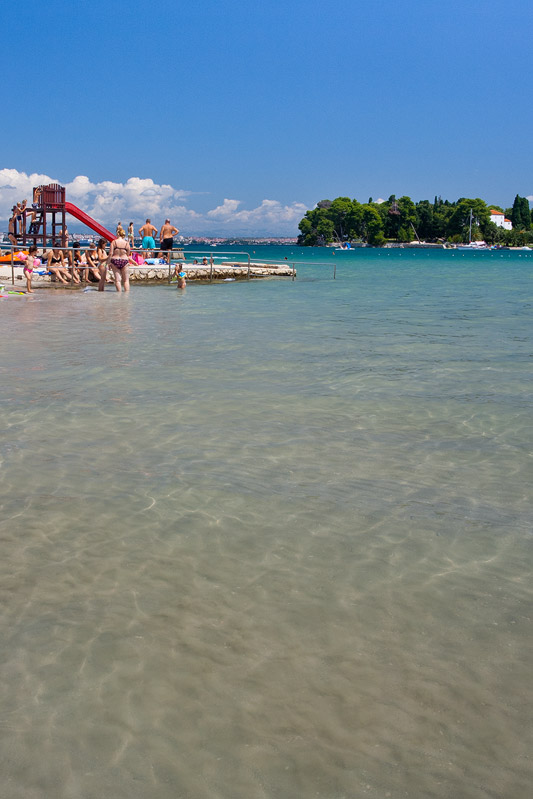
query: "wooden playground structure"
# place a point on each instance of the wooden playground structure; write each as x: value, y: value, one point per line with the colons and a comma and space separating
x: 47, y: 219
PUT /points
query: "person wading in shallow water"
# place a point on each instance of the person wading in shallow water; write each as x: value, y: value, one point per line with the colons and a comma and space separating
x: 181, y: 275
x: 119, y: 259
x: 32, y: 262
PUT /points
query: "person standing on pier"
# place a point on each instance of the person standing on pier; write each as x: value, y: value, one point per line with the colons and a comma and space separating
x: 148, y: 231
x: 12, y: 227
x: 166, y: 238
x: 21, y: 207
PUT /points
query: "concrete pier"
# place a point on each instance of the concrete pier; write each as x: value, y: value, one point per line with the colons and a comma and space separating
x: 159, y: 274
x: 205, y: 273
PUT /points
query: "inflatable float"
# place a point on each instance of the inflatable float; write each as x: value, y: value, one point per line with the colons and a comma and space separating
x: 18, y: 257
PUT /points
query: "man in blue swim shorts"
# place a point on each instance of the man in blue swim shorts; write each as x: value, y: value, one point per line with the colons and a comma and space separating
x: 148, y: 231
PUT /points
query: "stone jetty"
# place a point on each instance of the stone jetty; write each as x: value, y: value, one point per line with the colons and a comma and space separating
x: 149, y: 274
x: 205, y: 273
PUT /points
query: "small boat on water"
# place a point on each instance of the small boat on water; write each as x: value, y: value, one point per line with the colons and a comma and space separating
x: 473, y: 246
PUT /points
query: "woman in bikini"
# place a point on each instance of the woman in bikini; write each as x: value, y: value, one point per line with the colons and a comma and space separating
x: 79, y: 262
x: 93, y: 270
x: 181, y: 275
x: 71, y: 264
x: 56, y: 265
x: 119, y: 259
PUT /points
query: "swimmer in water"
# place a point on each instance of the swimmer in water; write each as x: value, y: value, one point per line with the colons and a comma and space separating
x: 180, y: 274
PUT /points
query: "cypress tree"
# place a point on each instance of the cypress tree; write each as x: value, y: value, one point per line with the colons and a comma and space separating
x: 526, y: 216
x: 516, y: 213
x: 520, y: 215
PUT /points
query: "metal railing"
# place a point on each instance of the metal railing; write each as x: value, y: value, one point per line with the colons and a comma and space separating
x: 210, y: 259
x: 169, y: 257
x: 177, y: 255
x: 70, y: 265
x: 293, y: 264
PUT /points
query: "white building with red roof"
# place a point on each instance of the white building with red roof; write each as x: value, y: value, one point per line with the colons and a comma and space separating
x: 500, y: 219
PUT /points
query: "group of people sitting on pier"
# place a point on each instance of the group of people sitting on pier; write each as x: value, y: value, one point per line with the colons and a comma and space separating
x: 74, y: 266
x: 71, y: 265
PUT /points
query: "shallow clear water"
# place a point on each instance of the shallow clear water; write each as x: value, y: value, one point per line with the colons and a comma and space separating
x: 270, y: 539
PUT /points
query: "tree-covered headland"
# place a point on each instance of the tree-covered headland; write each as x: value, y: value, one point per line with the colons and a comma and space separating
x: 402, y: 220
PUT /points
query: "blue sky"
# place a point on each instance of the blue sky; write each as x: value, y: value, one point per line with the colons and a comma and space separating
x: 231, y: 104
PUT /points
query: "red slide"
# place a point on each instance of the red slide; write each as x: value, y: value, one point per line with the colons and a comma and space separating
x: 89, y: 221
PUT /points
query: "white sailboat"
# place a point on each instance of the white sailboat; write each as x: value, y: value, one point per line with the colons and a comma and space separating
x: 472, y: 246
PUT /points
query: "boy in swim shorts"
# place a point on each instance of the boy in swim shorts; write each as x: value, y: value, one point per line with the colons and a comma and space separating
x: 148, y: 231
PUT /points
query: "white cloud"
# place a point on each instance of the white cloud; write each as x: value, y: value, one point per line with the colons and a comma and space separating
x: 227, y: 208
x: 141, y: 198
x: 271, y: 215
x: 15, y: 186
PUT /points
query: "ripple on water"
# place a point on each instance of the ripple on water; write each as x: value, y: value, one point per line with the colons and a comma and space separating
x: 281, y: 550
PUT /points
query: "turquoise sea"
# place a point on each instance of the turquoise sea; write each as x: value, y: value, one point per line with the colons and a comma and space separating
x: 271, y: 538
